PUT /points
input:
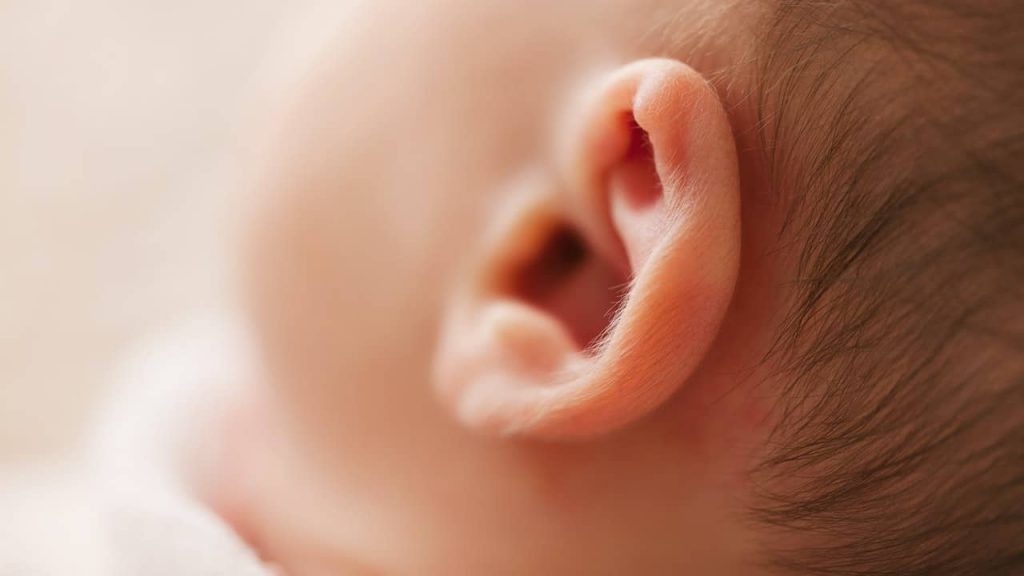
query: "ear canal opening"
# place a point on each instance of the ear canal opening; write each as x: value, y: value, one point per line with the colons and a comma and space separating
x: 569, y: 281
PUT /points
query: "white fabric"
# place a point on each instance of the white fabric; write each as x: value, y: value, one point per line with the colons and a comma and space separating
x: 128, y: 510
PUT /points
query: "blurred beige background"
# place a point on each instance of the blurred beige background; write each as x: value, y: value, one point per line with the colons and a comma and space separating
x: 116, y: 117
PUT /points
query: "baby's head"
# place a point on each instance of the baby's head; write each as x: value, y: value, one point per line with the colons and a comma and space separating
x: 651, y: 287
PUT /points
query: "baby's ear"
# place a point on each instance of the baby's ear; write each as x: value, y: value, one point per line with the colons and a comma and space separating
x: 594, y: 303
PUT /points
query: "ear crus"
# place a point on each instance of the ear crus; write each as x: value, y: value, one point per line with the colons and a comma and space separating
x: 577, y: 321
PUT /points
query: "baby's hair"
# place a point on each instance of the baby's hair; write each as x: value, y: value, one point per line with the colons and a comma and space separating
x: 895, y: 132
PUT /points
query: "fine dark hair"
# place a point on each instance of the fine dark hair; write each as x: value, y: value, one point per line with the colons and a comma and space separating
x: 894, y: 130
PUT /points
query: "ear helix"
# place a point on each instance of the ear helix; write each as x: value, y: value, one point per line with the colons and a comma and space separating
x: 592, y: 306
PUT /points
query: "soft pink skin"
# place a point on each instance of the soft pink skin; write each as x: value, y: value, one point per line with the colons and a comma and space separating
x: 400, y: 152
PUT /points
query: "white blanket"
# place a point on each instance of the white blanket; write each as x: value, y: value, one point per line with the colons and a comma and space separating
x: 126, y: 507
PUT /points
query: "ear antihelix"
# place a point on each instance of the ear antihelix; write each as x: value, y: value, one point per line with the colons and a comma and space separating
x: 558, y: 338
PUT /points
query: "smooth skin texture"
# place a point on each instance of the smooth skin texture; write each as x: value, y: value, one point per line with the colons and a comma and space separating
x: 512, y: 273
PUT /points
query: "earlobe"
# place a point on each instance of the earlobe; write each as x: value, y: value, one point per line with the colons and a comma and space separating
x: 627, y: 311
